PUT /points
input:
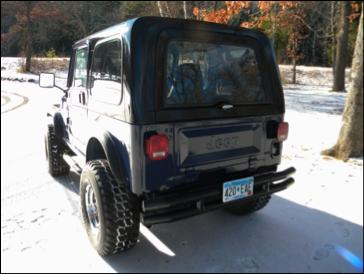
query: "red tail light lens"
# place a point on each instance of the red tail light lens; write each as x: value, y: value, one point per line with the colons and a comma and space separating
x: 156, y: 147
x: 282, y: 132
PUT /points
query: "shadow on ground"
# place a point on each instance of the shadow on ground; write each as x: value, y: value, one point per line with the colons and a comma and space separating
x: 70, y: 181
x: 283, y: 237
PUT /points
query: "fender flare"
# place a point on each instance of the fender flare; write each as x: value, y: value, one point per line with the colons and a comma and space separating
x: 56, y: 118
x: 59, y: 125
x: 114, y: 151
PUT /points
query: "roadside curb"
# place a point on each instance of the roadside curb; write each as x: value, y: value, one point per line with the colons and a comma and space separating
x: 30, y: 80
x: 15, y: 101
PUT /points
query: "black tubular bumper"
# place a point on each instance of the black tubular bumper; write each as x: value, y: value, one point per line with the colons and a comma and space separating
x: 178, y: 205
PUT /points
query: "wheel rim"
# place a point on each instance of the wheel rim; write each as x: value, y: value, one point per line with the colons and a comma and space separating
x: 91, y: 209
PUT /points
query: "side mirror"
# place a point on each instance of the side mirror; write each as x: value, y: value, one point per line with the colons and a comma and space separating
x: 46, y: 80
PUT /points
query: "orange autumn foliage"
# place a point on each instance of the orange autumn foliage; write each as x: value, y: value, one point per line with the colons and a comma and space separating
x: 284, y: 14
x: 222, y: 15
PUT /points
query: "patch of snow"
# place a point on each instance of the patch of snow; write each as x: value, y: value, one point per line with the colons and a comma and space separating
x: 312, y: 76
x: 10, y: 67
x: 314, y: 99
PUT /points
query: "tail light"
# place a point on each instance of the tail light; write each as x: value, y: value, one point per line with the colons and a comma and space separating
x: 282, y: 132
x: 156, y: 147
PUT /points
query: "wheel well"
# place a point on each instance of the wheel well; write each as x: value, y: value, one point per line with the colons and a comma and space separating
x: 95, y: 151
x: 105, y: 149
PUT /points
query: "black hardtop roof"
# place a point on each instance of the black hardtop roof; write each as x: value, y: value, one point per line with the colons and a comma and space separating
x: 124, y: 28
x: 121, y: 28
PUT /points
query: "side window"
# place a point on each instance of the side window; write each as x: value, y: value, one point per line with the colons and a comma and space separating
x: 80, y: 75
x: 106, y: 73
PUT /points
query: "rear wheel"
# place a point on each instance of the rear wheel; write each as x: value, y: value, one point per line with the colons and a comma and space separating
x: 244, y: 207
x: 54, y: 153
x: 110, y: 212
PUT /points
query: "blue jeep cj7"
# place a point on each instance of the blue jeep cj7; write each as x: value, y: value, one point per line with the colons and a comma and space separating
x: 166, y: 119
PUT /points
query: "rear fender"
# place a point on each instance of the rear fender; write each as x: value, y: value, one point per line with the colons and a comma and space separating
x: 105, y: 146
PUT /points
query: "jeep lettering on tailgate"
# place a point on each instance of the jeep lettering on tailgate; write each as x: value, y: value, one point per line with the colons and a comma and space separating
x: 221, y: 143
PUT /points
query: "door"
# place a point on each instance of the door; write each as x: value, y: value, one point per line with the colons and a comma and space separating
x: 78, y: 99
x: 105, y: 93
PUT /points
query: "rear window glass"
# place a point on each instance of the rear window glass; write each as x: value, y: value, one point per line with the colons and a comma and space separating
x: 207, y: 74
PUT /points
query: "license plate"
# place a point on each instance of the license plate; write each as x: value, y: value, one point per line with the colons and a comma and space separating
x: 237, y: 189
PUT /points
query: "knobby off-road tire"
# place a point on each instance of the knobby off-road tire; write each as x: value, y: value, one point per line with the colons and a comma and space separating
x: 54, y: 153
x: 111, y: 213
x: 244, y: 207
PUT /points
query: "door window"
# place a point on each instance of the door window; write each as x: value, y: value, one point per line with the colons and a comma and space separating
x: 106, y: 72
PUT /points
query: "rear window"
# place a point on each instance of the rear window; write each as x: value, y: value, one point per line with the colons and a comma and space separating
x: 206, y: 74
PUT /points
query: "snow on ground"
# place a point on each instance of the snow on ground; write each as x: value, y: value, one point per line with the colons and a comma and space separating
x: 11, y: 67
x: 314, y: 114
x: 307, y: 75
x: 303, y: 229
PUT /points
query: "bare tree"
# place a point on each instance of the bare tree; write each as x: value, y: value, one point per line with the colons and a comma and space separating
x: 160, y: 8
x: 168, y: 11
x: 332, y: 30
x: 23, y: 26
x: 342, y: 48
x: 184, y: 9
x: 28, y: 35
x: 350, y: 142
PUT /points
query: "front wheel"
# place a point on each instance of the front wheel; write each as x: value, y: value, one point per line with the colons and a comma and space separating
x: 54, y: 153
x: 244, y: 207
x: 110, y: 212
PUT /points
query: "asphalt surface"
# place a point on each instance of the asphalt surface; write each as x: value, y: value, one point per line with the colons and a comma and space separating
x: 41, y: 229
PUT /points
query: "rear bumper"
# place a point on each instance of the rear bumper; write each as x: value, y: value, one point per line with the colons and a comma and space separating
x: 164, y: 208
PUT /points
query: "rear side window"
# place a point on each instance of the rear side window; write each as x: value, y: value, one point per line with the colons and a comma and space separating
x: 205, y: 74
x: 106, y: 72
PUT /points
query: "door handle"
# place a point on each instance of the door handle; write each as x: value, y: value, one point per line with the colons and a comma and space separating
x: 82, y: 98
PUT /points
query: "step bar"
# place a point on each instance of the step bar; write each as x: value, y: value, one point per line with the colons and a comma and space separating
x: 74, y: 162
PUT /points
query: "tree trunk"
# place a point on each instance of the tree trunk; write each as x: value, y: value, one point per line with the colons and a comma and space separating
x: 274, y: 34
x: 215, y: 5
x: 160, y: 8
x: 28, y: 37
x: 294, y: 61
x: 350, y: 142
x: 294, y: 71
x: 184, y: 10
x: 342, y: 48
x: 168, y: 12
x: 332, y: 15
x: 313, y: 58
x: 273, y: 19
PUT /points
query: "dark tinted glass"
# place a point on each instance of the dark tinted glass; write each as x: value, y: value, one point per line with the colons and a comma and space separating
x: 106, y: 72
x: 208, y: 74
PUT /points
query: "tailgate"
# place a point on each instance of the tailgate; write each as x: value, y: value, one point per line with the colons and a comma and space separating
x: 200, y: 145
